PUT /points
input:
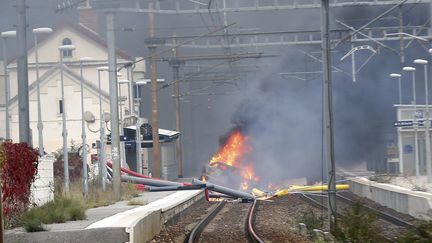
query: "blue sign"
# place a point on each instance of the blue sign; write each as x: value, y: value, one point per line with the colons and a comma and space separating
x: 403, y: 123
x: 408, y: 149
x: 407, y: 123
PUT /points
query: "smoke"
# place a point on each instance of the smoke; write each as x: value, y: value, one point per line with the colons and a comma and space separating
x: 282, y: 118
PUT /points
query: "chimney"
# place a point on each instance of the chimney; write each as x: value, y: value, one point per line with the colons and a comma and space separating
x: 88, y: 17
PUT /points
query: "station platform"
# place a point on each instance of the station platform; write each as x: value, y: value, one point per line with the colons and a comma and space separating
x: 116, y: 223
x: 415, y: 203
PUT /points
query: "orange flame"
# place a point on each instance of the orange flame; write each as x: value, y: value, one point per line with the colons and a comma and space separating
x: 244, y: 185
x: 232, y: 151
x: 232, y: 154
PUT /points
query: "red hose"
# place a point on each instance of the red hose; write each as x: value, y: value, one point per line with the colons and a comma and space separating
x: 133, y: 173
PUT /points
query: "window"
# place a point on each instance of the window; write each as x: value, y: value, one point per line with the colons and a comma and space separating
x: 60, y: 102
x: 67, y: 53
x: 136, y: 92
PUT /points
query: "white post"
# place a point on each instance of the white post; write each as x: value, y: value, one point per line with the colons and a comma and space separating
x: 64, y: 133
x: 83, y: 131
x: 39, y: 124
x: 102, y: 160
x: 427, y: 122
x: 5, y: 35
x: 417, y: 164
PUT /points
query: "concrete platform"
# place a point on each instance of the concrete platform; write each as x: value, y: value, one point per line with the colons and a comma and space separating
x: 415, y: 203
x: 119, y: 222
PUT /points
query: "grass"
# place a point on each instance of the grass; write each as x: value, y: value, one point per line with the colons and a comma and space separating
x: 312, y: 221
x: 138, y: 202
x: 72, y: 206
x: 58, y: 211
x: 356, y: 225
x: 96, y: 197
x: 381, y: 178
x: 421, y: 233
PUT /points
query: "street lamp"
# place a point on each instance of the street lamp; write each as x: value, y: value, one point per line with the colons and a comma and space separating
x: 102, y: 131
x: 36, y: 32
x: 83, y: 132
x: 63, y: 107
x: 427, y: 122
x: 417, y: 164
x: 4, y: 36
x: 398, y: 76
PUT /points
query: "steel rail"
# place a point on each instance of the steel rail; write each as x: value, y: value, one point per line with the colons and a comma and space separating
x: 196, y: 231
x: 385, y: 216
x: 382, y: 215
x: 250, y: 221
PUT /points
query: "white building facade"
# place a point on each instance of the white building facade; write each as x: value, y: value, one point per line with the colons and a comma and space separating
x: 406, y: 135
x: 87, y: 44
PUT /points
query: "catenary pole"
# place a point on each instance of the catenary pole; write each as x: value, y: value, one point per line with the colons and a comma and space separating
x: 328, y: 115
x: 154, y: 100
x: 23, y: 94
x: 176, y: 70
x: 115, y: 134
x: 39, y: 123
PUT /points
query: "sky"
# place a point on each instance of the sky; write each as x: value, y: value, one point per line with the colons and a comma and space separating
x: 282, y: 114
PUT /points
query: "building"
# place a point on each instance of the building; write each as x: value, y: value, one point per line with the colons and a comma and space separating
x: 88, y: 44
x: 406, y: 141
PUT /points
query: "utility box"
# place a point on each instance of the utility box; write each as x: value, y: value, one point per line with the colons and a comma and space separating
x: 166, y: 138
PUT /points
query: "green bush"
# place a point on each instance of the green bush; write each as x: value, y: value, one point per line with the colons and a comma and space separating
x: 356, y: 225
x: 32, y: 220
x: 60, y: 210
x: 311, y: 221
x: 419, y: 234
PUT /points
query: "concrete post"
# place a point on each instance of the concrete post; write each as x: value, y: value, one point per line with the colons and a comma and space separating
x: 427, y: 127
x: 328, y: 115
x: 39, y: 123
x: 83, y: 136
x: 64, y: 133
x: 102, y: 159
x: 154, y: 99
x: 23, y: 94
x: 115, y: 134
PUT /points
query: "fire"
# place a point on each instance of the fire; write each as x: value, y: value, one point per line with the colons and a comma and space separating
x: 232, y: 154
x: 244, y: 185
x: 233, y: 150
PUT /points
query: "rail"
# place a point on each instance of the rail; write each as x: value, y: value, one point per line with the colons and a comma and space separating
x: 196, y: 231
x: 252, y: 235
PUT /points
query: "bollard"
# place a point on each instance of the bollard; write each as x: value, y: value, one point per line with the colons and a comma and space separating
x: 318, y: 235
x: 302, y: 229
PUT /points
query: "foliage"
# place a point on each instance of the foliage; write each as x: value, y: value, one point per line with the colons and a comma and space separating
x: 96, y: 197
x: 19, y: 164
x: 60, y: 210
x: 381, y: 178
x: 312, y: 221
x: 356, y: 226
x: 137, y: 202
x: 421, y: 233
x: 75, y: 164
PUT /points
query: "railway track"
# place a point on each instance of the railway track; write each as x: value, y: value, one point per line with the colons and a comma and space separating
x: 234, y: 211
x: 392, y: 224
x: 382, y: 215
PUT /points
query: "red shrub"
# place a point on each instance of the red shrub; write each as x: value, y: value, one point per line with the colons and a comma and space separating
x: 18, y: 166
